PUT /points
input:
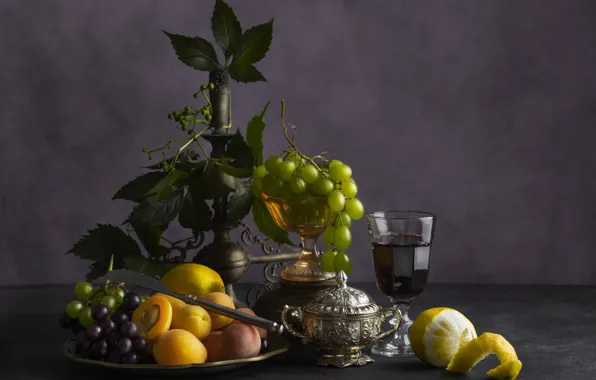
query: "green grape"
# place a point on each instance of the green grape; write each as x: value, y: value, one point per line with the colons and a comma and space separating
x: 323, y: 186
x: 257, y: 187
x: 73, y: 309
x: 349, y: 188
x: 327, y: 259
x: 272, y: 185
x: 285, y: 191
x: 340, y: 172
x: 83, y: 290
x: 295, y: 158
x: 297, y: 185
x: 144, y: 298
x: 343, y: 220
x: 342, y: 238
x: 109, y: 301
x: 260, y: 172
x: 354, y: 208
x: 118, y: 294
x: 334, y: 162
x: 272, y: 165
x: 336, y: 201
x: 286, y: 170
x: 85, y: 317
x: 329, y: 236
x: 341, y: 261
x: 309, y: 173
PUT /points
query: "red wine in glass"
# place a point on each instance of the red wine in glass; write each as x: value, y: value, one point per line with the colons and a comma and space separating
x: 401, y: 263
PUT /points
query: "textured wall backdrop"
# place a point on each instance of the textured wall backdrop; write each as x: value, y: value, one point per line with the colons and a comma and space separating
x: 481, y: 111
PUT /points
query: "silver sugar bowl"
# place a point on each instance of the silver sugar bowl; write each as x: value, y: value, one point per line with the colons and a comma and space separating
x: 341, y: 321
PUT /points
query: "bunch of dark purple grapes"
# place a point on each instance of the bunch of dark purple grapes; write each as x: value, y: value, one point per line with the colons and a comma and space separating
x: 113, y: 337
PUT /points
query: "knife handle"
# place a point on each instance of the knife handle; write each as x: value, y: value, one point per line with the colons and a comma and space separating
x: 253, y: 320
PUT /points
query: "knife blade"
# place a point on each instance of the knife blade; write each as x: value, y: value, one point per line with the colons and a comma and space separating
x: 150, y: 283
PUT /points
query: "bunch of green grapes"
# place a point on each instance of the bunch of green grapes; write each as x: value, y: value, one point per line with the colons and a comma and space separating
x: 294, y: 175
x: 82, y: 312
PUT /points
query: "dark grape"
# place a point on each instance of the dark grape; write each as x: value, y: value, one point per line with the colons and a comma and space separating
x: 66, y: 322
x: 100, y: 312
x: 139, y: 344
x: 113, y: 338
x: 264, y: 345
x: 120, y: 317
x: 98, y: 349
x: 129, y: 313
x: 131, y: 301
x: 129, y: 330
x: 131, y: 358
x: 124, y: 346
x: 107, y: 326
x: 113, y: 357
x: 82, y: 344
x: 93, y: 332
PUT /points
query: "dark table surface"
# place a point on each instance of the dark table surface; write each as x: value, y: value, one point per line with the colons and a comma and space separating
x: 553, y: 330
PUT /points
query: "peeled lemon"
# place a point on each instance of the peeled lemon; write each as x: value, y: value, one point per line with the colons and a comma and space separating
x: 438, y: 333
x: 478, y: 349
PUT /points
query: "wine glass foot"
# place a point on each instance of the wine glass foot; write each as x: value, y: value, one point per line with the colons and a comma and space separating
x: 392, y: 350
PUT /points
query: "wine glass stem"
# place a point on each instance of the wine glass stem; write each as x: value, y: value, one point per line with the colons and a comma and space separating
x: 309, y: 249
x: 405, y: 323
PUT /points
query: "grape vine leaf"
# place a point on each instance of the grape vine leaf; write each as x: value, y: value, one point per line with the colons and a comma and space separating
x: 150, y: 237
x: 164, y: 187
x: 212, y: 182
x: 100, y: 243
x: 235, y: 172
x: 150, y: 267
x: 226, y: 28
x: 265, y: 224
x: 253, y: 47
x: 254, y: 135
x: 239, y: 151
x: 195, y: 52
x: 159, y: 213
x: 246, y: 74
x: 136, y: 189
x: 240, y: 203
x: 195, y: 213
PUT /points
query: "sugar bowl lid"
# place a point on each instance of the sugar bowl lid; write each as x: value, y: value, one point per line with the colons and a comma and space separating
x: 341, y: 300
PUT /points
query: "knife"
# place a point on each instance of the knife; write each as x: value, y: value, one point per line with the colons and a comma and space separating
x: 150, y: 283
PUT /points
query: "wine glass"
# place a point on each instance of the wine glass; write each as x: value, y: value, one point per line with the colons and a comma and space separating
x: 401, y: 242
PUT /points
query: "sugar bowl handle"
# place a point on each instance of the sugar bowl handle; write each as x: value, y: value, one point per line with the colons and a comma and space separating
x: 388, y: 313
x: 292, y: 313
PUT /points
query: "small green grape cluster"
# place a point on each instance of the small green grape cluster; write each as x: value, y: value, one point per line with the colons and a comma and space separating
x: 190, y: 116
x: 79, y: 312
x: 295, y: 175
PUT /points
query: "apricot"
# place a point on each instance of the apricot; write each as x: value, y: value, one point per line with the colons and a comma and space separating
x: 241, y: 341
x: 214, y: 346
x: 262, y: 332
x: 176, y: 303
x: 179, y: 347
x: 153, y: 317
x: 193, y: 319
x: 219, y: 321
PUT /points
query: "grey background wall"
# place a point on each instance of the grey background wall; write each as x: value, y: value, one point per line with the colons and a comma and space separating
x: 481, y: 111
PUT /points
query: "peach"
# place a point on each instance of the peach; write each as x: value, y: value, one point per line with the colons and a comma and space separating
x: 241, y: 341
x: 214, y: 346
x: 219, y: 321
x: 179, y: 347
x: 262, y: 332
x: 193, y: 319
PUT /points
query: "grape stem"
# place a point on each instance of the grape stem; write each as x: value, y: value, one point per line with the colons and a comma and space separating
x: 290, y: 141
x: 110, y: 267
x: 190, y: 141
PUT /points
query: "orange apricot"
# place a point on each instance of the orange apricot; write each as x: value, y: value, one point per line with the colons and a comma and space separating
x: 219, y: 321
x: 153, y: 317
x: 179, y: 347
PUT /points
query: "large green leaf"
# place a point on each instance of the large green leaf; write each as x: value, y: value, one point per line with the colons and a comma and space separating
x: 195, y: 52
x: 254, y: 135
x: 239, y: 151
x: 235, y: 172
x: 150, y: 267
x: 160, y: 213
x: 168, y: 184
x: 212, y: 183
x: 195, y: 213
x: 226, y: 28
x: 265, y: 224
x: 246, y: 74
x: 150, y: 236
x: 240, y: 203
x: 254, y: 45
x: 100, y: 243
x: 137, y: 189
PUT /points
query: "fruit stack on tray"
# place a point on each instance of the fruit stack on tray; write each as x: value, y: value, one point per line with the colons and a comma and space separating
x: 118, y: 325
